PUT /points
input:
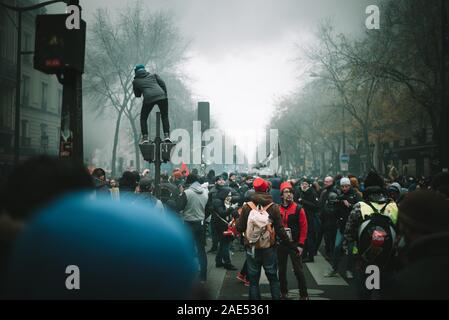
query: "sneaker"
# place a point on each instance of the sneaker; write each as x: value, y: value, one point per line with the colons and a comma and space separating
x: 241, y: 277
x: 331, y: 273
x: 144, y: 139
x: 349, y: 275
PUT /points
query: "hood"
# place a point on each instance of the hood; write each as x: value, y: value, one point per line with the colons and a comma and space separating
x: 375, y: 194
x: 141, y: 73
x: 196, y: 187
x: 275, y: 183
x: 261, y: 198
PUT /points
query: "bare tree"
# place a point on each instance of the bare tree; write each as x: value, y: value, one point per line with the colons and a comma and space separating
x: 116, y: 44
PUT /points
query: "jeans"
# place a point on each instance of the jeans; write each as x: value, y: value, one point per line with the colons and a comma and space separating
x: 199, y: 234
x: 310, y: 244
x: 214, y: 237
x: 223, y: 251
x: 338, y: 252
x: 145, y: 113
x: 266, y: 258
x: 283, y: 253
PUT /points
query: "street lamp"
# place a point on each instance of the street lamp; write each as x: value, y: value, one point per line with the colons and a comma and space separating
x: 19, y: 11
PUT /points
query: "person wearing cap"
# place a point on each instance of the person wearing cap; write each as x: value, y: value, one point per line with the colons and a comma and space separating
x: 294, y: 219
x: 395, y: 192
x: 145, y: 191
x: 327, y: 215
x: 219, y: 185
x: 347, y: 198
x: 308, y: 199
x: 154, y: 92
x: 375, y: 197
x: 263, y: 257
x: 423, y: 221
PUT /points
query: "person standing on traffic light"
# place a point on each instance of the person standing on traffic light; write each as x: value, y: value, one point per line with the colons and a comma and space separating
x: 154, y: 93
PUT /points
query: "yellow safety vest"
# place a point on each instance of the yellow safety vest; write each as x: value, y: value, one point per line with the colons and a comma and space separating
x: 390, y: 211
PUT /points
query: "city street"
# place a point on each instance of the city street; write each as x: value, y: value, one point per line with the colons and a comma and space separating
x: 223, y: 284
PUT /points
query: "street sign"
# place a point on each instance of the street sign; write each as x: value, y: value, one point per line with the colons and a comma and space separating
x: 344, y: 166
x: 344, y: 158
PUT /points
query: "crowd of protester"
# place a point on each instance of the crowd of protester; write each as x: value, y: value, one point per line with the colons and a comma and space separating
x: 56, y: 213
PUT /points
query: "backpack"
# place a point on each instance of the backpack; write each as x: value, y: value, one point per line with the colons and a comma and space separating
x: 376, y: 237
x: 259, y: 229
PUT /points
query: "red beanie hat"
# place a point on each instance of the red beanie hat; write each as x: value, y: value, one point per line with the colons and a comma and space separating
x: 260, y: 185
x: 285, y: 185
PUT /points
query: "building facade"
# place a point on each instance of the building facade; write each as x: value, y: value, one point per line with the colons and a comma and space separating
x: 41, y: 94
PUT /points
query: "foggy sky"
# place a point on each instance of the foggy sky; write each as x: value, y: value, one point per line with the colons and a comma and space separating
x: 242, y: 51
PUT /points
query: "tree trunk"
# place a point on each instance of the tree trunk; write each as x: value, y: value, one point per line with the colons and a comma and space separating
x: 114, y: 148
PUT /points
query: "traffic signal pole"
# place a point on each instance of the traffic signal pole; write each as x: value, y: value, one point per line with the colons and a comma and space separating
x: 157, y: 162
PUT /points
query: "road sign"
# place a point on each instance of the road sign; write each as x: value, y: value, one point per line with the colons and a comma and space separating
x: 344, y: 166
x: 344, y: 157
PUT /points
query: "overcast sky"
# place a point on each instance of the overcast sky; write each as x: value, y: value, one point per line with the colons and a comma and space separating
x: 243, y: 50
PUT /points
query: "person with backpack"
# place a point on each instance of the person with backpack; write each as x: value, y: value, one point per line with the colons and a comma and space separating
x: 260, y: 220
x: 346, y: 199
x: 372, y: 225
x: 294, y: 222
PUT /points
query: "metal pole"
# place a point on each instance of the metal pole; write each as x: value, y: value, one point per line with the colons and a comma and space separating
x: 444, y: 156
x: 157, y: 161
x: 18, y: 84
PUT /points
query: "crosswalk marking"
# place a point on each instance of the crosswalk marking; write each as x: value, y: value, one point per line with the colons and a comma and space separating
x: 319, y: 268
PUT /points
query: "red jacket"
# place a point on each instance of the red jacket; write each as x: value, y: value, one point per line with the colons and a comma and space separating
x: 294, y: 217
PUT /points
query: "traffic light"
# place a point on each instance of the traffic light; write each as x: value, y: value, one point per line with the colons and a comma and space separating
x: 56, y: 47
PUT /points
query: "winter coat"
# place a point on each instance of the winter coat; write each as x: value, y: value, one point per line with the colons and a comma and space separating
x: 265, y: 199
x: 222, y: 213
x: 150, y: 85
x: 196, y: 200
x: 343, y: 212
x: 294, y: 217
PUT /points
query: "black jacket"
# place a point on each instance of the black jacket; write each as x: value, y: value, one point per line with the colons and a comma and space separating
x: 309, y: 200
x: 342, y: 212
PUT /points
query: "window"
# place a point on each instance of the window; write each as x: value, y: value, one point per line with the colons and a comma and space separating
x: 26, y: 140
x: 44, y: 96
x: 25, y: 91
x: 44, y: 136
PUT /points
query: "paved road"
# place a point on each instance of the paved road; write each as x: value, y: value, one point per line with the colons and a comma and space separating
x: 223, y: 285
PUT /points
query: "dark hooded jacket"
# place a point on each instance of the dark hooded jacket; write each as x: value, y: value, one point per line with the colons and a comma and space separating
x: 264, y: 199
x: 275, y: 192
x: 151, y: 86
x: 221, y: 212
